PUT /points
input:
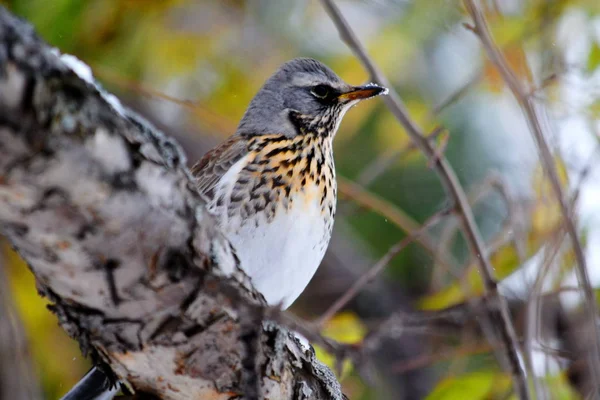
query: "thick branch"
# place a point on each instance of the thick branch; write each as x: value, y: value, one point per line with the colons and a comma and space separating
x: 454, y: 189
x: 103, y: 209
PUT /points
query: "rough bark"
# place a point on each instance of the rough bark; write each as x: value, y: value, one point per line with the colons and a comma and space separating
x: 102, y: 208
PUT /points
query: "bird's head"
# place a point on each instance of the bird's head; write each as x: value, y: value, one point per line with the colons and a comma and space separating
x: 303, y: 96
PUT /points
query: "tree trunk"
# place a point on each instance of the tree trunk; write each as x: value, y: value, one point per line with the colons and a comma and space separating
x: 102, y: 208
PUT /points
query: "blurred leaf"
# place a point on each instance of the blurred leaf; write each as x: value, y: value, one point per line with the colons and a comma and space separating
x: 509, y: 29
x: 389, y: 133
x: 517, y: 61
x: 55, y: 20
x: 546, y: 215
x: 504, y: 262
x: 394, y: 52
x: 329, y: 360
x: 472, y: 386
x: 594, y: 110
x: 594, y: 57
x: 179, y: 52
x: 451, y: 295
x: 560, y: 387
x: 347, y: 328
x: 544, y: 10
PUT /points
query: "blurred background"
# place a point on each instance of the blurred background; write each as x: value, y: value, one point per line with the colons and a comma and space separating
x: 191, y: 67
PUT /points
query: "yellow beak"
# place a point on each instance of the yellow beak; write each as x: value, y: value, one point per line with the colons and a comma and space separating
x: 362, y: 93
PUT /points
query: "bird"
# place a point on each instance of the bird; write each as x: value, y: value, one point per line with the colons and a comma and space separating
x: 271, y: 186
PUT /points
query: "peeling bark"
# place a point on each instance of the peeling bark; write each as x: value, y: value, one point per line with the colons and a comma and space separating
x: 102, y: 208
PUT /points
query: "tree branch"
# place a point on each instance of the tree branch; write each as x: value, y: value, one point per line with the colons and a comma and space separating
x: 369, y: 275
x: 547, y: 160
x: 453, y: 188
x: 101, y: 206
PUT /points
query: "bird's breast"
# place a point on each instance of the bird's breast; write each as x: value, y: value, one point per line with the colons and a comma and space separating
x: 280, y: 171
x: 277, y: 207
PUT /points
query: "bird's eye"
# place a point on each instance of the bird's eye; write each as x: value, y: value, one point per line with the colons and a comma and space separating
x: 320, y: 91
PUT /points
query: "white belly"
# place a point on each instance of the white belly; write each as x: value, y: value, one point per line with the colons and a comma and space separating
x: 282, y: 253
x: 281, y: 256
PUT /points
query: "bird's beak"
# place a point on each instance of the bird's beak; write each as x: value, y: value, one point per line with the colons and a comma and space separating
x: 362, y: 93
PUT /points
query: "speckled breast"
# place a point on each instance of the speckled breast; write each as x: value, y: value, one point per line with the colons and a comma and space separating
x: 277, y: 206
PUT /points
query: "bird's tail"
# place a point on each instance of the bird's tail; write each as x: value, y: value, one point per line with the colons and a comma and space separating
x: 95, y: 385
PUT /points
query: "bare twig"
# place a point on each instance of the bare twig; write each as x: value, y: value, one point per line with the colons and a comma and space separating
x: 381, y: 206
x: 462, y: 90
x: 377, y: 268
x: 440, y: 150
x: 215, y: 120
x: 513, y: 227
x: 528, y: 107
x: 584, y: 174
x: 491, y: 183
x: 378, y: 166
x: 454, y: 189
x: 534, y: 306
x: 429, y: 359
x: 388, y: 210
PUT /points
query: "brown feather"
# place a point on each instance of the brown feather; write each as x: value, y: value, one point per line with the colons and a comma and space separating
x: 209, y: 170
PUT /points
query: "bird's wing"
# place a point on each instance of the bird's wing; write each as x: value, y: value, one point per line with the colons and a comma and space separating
x: 209, y: 170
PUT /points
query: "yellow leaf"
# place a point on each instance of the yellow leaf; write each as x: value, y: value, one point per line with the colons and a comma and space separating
x: 507, y: 30
x: 547, y: 214
x: 470, y: 386
x: 560, y: 387
x: 517, y: 62
x: 329, y: 360
x: 447, y: 297
x: 594, y: 57
x: 345, y: 327
x: 504, y: 261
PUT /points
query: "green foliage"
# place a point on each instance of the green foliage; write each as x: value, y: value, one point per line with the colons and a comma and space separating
x: 594, y: 57
x: 474, y: 386
x: 344, y: 328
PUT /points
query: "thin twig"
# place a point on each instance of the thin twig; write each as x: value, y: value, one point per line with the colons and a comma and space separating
x: 388, y: 210
x: 584, y: 174
x: 375, y: 203
x: 512, y: 226
x: 217, y: 121
x: 462, y: 90
x: 378, y: 166
x: 454, y: 189
x: 528, y: 107
x: 429, y: 359
x: 370, y: 274
x: 440, y: 150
